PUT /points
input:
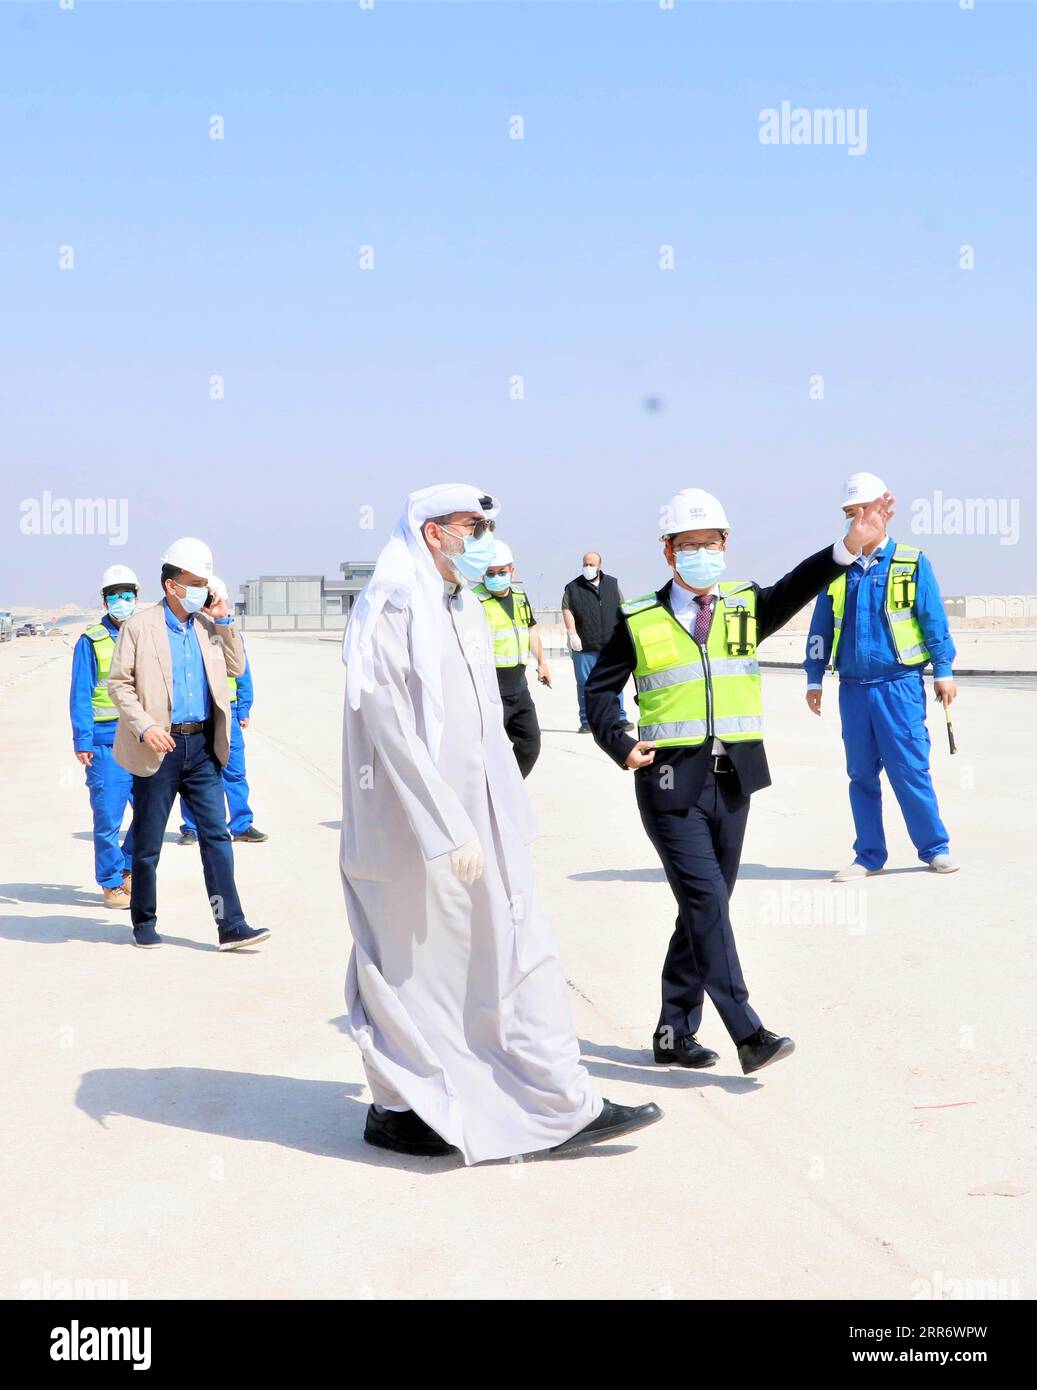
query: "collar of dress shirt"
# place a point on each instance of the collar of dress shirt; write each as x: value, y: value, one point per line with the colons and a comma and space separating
x: 173, y: 621
x: 682, y: 599
x: 866, y: 561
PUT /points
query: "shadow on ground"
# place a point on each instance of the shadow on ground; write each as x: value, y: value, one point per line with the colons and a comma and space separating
x: 619, y: 876
x: 315, y: 1117
x: 635, y: 1065
x: 50, y: 894
x: 101, y: 931
x: 746, y: 871
x: 169, y: 837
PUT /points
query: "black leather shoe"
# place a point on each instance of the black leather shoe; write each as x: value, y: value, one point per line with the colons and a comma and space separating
x: 686, y: 1052
x: 613, y: 1121
x: 762, y: 1049
x: 405, y: 1133
x: 251, y: 836
x: 188, y: 838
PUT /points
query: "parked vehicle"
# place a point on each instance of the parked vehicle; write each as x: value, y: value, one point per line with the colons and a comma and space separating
x: 26, y: 630
x: 6, y: 626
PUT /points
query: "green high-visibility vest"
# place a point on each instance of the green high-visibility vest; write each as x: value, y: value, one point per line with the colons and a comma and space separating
x: 901, y: 593
x: 232, y: 683
x: 687, y: 694
x: 104, y: 646
x: 510, y: 635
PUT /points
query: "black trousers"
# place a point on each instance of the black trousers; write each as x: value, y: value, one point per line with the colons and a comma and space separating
x: 700, y: 849
x: 522, y: 727
x: 191, y: 769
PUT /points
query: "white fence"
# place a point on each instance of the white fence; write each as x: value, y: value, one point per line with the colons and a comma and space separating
x: 293, y: 622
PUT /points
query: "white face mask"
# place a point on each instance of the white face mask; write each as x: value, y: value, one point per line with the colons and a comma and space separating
x: 590, y: 571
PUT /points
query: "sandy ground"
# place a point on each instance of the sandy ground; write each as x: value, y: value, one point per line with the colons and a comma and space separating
x: 978, y: 649
x: 180, y: 1123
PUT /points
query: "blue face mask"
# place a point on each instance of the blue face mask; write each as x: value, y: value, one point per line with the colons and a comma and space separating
x: 700, y: 568
x: 194, y: 597
x: 498, y: 583
x: 471, y: 562
x: 120, y: 608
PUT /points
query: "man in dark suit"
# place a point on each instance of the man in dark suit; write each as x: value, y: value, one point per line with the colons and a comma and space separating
x: 699, y: 755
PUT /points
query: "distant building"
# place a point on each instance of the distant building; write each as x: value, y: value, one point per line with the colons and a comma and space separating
x: 1010, y: 608
x: 302, y: 602
x: 355, y: 574
x: 305, y: 602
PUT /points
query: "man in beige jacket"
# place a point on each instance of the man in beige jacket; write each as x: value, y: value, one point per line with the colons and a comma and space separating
x: 168, y: 680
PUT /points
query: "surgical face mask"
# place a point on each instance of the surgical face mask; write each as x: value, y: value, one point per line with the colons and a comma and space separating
x: 590, y: 571
x: 498, y: 583
x: 120, y: 607
x: 194, y: 596
x: 700, y: 568
x: 472, y: 560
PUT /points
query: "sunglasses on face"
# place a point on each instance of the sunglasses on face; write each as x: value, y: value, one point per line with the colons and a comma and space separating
x: 127, y: 595
x: 475, y: 528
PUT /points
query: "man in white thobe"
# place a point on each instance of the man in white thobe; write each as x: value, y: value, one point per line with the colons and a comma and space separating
x: 455, y: 993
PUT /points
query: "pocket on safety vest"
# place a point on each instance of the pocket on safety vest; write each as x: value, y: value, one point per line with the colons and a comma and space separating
x: 658, y: 645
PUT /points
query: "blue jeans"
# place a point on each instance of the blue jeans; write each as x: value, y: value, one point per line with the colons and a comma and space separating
x: 110, y: 787
x: 190, y: 768
x: 234, y: 784
x: 583, y: 664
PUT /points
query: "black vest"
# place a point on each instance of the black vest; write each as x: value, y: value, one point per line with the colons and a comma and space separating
x: 595, y: 609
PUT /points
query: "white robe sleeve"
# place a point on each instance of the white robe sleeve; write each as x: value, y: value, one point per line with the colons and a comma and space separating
x: 433, y: 809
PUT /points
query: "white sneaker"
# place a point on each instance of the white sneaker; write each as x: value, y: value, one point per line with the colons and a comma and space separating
x: 944, y: 864
x: 853, y: 871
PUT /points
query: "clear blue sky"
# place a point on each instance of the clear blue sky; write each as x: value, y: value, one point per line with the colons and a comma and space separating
x: 346, y: 388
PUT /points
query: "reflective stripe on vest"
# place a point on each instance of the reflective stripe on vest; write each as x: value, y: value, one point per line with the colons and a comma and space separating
x: 510, y: 636
x: 104, y: 646
x: 686, y: 696
x: 900, y: 608
x: 232, y: 685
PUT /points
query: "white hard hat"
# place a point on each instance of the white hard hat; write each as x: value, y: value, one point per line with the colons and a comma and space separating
x: 501, y: 555
x: 691, y: 509
x: 218, y: 587
x: 191, y: 555
x: 119, y: 574
x: 862, y: 488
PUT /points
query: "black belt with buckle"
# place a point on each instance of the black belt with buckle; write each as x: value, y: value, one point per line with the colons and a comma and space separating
x: 187, y: 728
x: 722, y: 763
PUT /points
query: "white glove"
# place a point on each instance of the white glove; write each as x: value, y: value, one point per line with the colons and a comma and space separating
x: 467, y: 861
x: 575, y: 644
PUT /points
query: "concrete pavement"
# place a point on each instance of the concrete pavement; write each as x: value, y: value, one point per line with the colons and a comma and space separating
x: 181, y: 1123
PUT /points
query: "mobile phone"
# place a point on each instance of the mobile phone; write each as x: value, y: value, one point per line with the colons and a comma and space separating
x: 210, y: 598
